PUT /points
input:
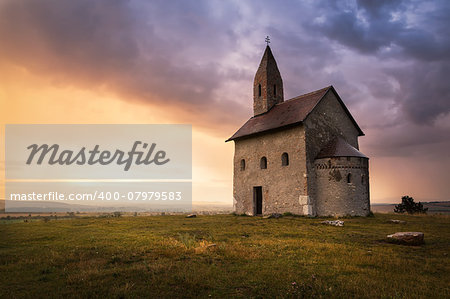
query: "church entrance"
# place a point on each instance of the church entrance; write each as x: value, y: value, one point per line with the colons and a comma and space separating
x: 257, y: 200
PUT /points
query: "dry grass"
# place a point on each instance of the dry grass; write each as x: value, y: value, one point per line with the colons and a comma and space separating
x: 223, y: 256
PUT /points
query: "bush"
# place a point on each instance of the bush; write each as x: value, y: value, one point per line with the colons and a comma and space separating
x: 409, y: 206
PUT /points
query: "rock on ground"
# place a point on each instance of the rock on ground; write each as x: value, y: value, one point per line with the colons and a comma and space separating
x: 274, y: 215
x: 333, y: 222
x: 407, y: 238
x: 191, y: 216
x: 397, y: 221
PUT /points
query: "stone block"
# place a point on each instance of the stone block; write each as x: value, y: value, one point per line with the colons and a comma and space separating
x: 407, y: 238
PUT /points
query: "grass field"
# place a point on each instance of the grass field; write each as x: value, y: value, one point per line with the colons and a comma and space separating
x: 173, y: 256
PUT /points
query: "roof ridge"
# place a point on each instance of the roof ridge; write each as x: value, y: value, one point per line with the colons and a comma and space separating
x: 293, y: 113
x: 307, y: 94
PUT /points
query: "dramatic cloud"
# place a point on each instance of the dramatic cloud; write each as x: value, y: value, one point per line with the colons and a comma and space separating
x: 403, y: 32
x: 164, y: 53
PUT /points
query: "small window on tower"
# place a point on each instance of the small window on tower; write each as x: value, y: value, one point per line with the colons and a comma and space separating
x: 284, y: 159
x: 259, y: 90
x: 349, y: 178
x: 263, y: 163
x: 242, y: 164
x: 275, y: 90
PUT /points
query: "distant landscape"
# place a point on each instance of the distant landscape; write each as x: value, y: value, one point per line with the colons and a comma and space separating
x: 62, y: 208
x: 434, y: 207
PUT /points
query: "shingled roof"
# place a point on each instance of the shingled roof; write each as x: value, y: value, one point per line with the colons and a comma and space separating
x: 288, y: 113
x: 338, y: 147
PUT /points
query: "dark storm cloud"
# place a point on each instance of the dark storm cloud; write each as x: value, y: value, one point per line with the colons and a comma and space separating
x: 400, y: 31
x: 394, y: 28
x: 425, y: 91
x: 150, y: 52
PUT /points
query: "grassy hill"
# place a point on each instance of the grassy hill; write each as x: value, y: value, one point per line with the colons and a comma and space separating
x: 223, y: 256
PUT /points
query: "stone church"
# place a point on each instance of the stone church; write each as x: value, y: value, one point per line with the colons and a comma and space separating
x: 300, y: 155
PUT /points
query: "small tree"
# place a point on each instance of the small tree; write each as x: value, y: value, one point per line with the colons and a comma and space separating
x: 409, y: 206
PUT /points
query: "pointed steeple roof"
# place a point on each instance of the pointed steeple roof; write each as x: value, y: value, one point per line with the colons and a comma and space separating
x: 268, y: 84
x: 268, y: 60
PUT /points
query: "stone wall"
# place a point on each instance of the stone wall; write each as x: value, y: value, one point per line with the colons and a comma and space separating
x: 283, y: 187
x: 327, y: 120
x: 336, y: 195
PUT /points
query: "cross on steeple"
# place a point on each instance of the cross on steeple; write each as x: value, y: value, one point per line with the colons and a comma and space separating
x: 267, y: 40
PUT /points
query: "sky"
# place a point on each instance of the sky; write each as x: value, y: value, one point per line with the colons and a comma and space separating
x: 193, y: 62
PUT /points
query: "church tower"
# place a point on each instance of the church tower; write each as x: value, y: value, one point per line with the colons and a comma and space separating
x: 268, y: 85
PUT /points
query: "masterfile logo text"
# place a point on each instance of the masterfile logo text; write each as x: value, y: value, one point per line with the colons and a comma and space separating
x: 99, y: 151
x: 98, y: 168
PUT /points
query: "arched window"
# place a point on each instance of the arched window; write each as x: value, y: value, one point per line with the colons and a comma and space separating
x: 263, y: 163
x: 275, y: 90
x: 242, y: 164
x: 349, y: 178
x: 284, y: 159
x: 259, y: 90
